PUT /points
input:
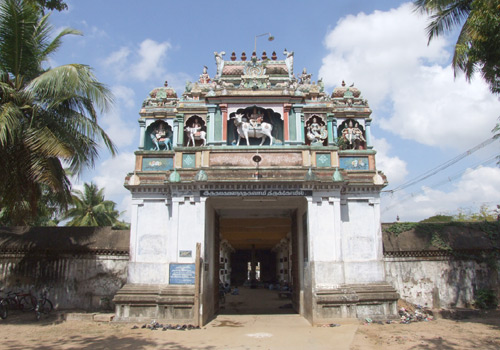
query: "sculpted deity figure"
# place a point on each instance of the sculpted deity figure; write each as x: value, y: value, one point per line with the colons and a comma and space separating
x: 305, y: 78
x: 161, y: 137
x: 289, y: 62
x: 204, y: 77
x: 196, y: 126
x: 256, y: 118
x: 321, y: 85
x: 160, y: 132
x: 353, y: 135
x: 348, y: 133
x: 220, y: 63
x: 316, y: 133
x: 358, y: 133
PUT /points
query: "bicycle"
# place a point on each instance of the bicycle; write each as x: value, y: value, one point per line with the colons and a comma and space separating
x: 20, y: 301
x: 43, y: 305
x: 3, y: 308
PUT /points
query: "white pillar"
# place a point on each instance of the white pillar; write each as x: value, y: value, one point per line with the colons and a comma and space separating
x: 142, y: 124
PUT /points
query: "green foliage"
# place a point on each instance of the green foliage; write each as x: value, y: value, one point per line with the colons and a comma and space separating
x: 436, y: 230
x: 484, y: 214
x: 57, y: 5
x: 477, y: 48
x: 121, y: 225
x: 341, y: 143
x: 482, y: 52
x: 400, y: 227
x: 438, y: 241
x: 90, y: 209
x: 485, y: 299
x: 48, y: 117
x: 438, y: 218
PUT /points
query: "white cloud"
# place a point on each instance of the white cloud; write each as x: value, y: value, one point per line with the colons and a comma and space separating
x: 393, y: 167
x: 386, y: 55
x: 143, y: 63
x: 111, y: 173
x: 118, y: 60
x: 152, y: 55
x: 119, y: 128
x: 122, y: 133
x: 111, y: 176
x: 475, y: 188
x: 124, y: 95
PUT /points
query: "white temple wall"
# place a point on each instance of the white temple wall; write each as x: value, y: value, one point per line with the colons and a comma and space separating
x: 149, y: 241
x: 362, y: 240
x: 190, y: 227
x: 325, y: 240
x: 157, y: 238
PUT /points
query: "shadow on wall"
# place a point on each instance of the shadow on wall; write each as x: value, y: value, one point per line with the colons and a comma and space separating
x: 83, y: 267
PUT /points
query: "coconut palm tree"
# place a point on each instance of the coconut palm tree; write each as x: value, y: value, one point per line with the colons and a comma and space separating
x: 478, y: 45
x: 48, y: 116
x: 90, y: 209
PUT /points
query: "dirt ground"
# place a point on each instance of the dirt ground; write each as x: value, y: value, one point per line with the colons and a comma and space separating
x: 21, y: 331
x: 478, y: 332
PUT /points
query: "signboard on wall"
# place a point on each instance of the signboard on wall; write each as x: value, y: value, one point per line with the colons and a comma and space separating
x: 157, y: 164
x: 259, y: 193
x: 181, y: 273
x: 354, y: 163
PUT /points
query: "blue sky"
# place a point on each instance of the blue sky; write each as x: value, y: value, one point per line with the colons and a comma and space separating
x: 422, y: 116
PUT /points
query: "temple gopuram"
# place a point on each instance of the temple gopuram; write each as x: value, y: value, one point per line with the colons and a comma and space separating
x: 256, y: 177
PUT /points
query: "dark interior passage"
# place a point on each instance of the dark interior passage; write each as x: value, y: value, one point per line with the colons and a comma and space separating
x: 265, y: 261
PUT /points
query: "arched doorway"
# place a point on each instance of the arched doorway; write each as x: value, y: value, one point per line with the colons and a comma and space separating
x: 258, y: 256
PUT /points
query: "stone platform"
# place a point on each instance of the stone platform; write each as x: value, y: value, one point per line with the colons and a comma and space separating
x: 163, y: 303
x: 377, y: 301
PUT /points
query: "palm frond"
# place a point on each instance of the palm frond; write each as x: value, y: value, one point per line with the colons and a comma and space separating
x: 18, y: 53
x: 43, y: 34
x: 10, y: 122
x: 72, y: 81
x: 461, y: 52
x: 444, y: 14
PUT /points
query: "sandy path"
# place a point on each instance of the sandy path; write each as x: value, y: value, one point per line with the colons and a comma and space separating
x: 474, y: 333
x: 21, y: 331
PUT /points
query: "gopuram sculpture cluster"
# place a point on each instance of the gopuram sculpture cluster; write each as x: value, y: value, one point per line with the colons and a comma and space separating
x: 341, y: 118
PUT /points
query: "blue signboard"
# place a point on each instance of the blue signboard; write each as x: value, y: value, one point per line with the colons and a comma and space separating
x: 354, y: 163
x: 181, y: 274
x: 157, y: 164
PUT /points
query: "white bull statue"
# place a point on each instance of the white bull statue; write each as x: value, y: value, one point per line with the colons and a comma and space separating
x: 194, y: 133
x: 246, y: 130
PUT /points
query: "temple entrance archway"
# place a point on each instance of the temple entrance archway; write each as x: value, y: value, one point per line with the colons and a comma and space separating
x: 258, y: 254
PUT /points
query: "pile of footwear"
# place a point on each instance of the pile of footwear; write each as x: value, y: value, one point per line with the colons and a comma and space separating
x: 154, y: 326
x: 419, y: 315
